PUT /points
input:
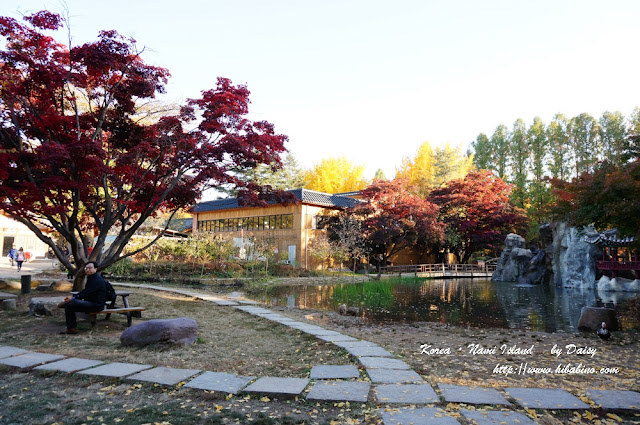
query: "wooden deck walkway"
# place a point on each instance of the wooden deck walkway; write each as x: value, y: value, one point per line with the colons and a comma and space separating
x: 440, y: 270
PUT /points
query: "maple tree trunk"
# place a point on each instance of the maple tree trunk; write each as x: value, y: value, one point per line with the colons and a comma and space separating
x: 78, y: 282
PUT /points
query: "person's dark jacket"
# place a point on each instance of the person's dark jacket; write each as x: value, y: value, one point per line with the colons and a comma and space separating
x: 95, y: 290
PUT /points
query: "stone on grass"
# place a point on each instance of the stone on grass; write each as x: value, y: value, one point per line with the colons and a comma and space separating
x: 334, y: 372
x: 9, y: 304
x: 369, y: 351
x: 8, y: 351
x: 182, y: 331
x: 7, y: 296
x: 616, y: 400
x: 72, y: 364
x: 164, y: 375
x: 45, y: 306
x: 591, y: 319
x: 383, y: 363
x: 220, y: 381
x: 278, y: 386
x: 394, y: 376
x: 424, y: 415
x: 496, y: 417
x: 471, y: 395
x: 30, y: 359
x: 353, y: 391
x: 539, y: 398
x: 45, y: 287
x: 406, y: 393
x: 115, y: 370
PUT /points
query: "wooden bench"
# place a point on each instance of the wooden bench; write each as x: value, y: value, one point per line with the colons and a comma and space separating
x: 130, y: 312
x: 111, y: 308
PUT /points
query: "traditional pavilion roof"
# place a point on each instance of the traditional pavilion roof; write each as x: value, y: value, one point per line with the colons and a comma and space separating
x: 306, y: 196
x: 609, y: 238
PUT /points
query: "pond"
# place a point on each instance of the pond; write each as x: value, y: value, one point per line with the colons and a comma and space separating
x: 461, y: 302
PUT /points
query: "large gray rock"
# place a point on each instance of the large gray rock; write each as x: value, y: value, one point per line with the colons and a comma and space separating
x: 592, y: 317
x: 618, y: 284
x: 182, y: 331
x: 45, y: 306
x: 514, y: 261
x: 537, y: 270
x: 574, y: 260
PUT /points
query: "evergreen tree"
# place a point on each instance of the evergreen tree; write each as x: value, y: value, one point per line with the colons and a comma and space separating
x: 500, y: 144
x: 290, y: 176
x: 561, y: 153
x: 483, y: 153
x: 520, y: 162
x: 613, y: 135
x: 380, y: 175
x: 584, y: 131
x: 449, y: 164
x: 632, y: 144
x: 539, y: 194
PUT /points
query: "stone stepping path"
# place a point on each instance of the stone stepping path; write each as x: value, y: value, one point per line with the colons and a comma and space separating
x: 10, y: 351
x: 115, y: 370
x: 406, y: 394
x: 383, y: 363
x: 164, y: 375
x: 30, y: 359
x: 334, y: 372
x: 353, y: 391
x: 394, y: 376
x: 537, y: 398
x: 615, y: 400
x: 280, y: 386
x: 336, y: 338
x: 408, y: 416
x: 458, y: 394
x: 220, y: 381
x: 72, y: 364
x: 497, y: 417
x: 394, y: 382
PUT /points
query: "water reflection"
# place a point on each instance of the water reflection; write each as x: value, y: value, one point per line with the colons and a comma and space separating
x: 463, y: 302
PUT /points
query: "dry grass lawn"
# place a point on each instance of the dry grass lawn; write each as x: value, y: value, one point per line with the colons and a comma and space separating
x: 228, y: 340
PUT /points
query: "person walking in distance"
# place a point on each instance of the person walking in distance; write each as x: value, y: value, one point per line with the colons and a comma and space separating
x: 12, y: 255
x: 20, y: 257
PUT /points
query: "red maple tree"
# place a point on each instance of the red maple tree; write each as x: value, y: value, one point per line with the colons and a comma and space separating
x: 608, y: 197
x: 477, y: 213
x: 76, y: 157
x: 395, y: 220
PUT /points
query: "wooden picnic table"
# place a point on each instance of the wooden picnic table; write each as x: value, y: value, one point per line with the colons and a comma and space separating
x: 112, y: 304
x: 111, y: 307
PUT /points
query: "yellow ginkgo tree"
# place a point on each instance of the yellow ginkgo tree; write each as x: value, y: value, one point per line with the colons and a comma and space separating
x: 335, y: 175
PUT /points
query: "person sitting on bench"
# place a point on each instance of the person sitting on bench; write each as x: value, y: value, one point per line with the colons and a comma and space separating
x: 92, y: 298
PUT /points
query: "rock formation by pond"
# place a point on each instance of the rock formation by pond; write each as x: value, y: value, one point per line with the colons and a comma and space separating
x: 574, y: 261
x: 514, y: 261
x: 565, y: 259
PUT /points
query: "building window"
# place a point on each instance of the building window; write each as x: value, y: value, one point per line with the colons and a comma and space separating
x: 251, y: 224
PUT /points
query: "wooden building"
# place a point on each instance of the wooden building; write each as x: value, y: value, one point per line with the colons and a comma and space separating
x: 291, y: 226
x: 13, y: 233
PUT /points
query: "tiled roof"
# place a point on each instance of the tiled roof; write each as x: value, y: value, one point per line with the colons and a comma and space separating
x: 306, y: 196
x: 609, y: 238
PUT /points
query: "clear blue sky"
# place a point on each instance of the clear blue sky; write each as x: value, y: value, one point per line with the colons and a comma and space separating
x: 372, y: 80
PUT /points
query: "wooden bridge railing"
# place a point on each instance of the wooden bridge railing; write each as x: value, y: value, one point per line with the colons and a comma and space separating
x: 618, y: 265
x: 439, y: 268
